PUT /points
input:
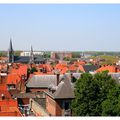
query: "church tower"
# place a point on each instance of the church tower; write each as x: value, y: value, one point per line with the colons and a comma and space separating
x: 31, y: 56
x: 10, y: 53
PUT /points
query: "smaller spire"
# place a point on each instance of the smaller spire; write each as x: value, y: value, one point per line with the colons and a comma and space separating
x: 31, y: 50
x: 31, y: 56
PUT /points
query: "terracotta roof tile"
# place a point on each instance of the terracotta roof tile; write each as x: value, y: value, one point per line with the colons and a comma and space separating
x: 13, y: 79
x: 109, y: 68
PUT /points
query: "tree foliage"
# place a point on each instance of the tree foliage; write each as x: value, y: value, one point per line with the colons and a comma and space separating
x: 31, y: 71
x: 92, y: 95
x: 111, y: 106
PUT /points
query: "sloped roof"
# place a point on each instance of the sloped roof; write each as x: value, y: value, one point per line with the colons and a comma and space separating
x: 6, y: 94
x: 38, y: 59
x: 22, y: 70
x: 13, y: 79
x: 26, y: 59
x: 9, y: 108
x: 64, y: 90
x: 109, y: 68
x: 89, y: 68
x: 21, y: 59
x: 43, y: 81
x: 3, y: 87
x: 76, y: 75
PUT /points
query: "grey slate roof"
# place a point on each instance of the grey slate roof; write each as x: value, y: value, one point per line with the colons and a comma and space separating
x: 38, y: 59
x: 26, y: 59
x: 76, y: 75
x: 64, y: 90
x: 90, y: 68
x: 21, y: 59
x: 43, y: 81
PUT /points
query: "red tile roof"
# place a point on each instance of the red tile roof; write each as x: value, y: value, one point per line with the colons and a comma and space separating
x: 13, y: 79
x: 3, y: 87
x: 72, y: 67
x: 9, y: 108
x: 109, y: 68
x: 22, y: 70
x: 81, y: 68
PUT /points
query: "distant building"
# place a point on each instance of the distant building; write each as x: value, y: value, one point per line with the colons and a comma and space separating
x: 24, y: 59
x: 35, y: 53
x: 85, y: 55
x: 61, y: 55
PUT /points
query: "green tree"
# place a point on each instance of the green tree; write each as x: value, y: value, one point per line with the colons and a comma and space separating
x: 3, y: 54
x: 31, y: 71
x: 66, y: 59
x: 90, y: 92
x: 17, y: 53
x: 111, y: 106
x: 73, y: 79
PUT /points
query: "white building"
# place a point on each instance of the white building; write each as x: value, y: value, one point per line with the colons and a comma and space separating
x: 27, y: 53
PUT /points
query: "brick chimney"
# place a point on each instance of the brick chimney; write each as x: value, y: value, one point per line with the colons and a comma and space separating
x: 71, y: 75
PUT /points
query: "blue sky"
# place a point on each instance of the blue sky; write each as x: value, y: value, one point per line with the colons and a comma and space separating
x: 69, y: 27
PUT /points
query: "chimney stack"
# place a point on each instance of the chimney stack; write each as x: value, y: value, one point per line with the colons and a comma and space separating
x: 58, y: 78
x: 71, y: 74
x: 57, y: 73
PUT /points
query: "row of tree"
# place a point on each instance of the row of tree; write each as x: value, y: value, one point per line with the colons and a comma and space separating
x: 96, y: 95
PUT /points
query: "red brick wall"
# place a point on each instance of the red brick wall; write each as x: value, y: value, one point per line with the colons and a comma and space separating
x: 58, y: 108
x: 50, y: 106
x: 53, y: 107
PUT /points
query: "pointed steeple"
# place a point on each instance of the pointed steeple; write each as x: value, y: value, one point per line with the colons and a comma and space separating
x: 10, y: 53
x: 11, y: 47
x: 31, y: 56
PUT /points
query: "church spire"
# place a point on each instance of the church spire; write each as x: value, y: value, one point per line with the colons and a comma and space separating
x: 11, y: 47
x: 31, y: 56
x: 10, y: 53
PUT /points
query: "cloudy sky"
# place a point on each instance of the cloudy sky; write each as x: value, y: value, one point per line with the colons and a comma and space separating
x: 69, y: 27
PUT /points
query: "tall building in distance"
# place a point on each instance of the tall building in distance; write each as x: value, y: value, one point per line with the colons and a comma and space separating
x: 31, y: 56
x: 12, y: 58
x: 61, y: 55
